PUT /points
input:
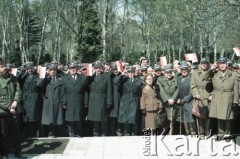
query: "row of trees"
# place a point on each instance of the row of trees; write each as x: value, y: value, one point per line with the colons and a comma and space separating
x: 90, y: 30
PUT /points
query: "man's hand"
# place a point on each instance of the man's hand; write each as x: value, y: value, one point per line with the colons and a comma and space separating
x: 171, y: 101
x: 197, y: 97
x: 14, y: 105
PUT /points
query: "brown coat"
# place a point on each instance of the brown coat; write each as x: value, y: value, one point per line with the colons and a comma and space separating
x: 201, y: 84
x: 225, y: 93
x: 151, y: 104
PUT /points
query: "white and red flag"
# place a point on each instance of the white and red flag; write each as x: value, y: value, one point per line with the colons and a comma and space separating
x: 89, y: 69
x: 119, y: 65
x: 163, y: 61
x: 191, y: 57
x: 237, y: 51
x: 14, y: 71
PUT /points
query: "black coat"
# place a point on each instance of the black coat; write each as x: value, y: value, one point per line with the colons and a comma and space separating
x: 32, y: 98
x: 130, y: 101
x: 100, y: 97
x: 117, y: 92
x: 74, y: 95
x: 52, y: 101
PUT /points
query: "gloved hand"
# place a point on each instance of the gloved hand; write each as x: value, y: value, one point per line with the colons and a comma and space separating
x: 109, y: 106
x: 144, y: 112
x: 182, y: 102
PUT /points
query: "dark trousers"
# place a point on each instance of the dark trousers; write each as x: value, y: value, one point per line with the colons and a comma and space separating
x: 112, y: 126
x: 99, y: 128
x: 4, y: 134
x: 32, y: 129
x: 224, y: 127
x: 15, y: 133
x: 75, y: 128
x: 130, y: 129
x: 120, y: 129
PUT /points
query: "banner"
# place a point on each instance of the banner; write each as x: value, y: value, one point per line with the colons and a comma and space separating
x: 191, y: 57
x: 42, y: 71
x: 237, y: 51
x: 14, y: 71
x: 163, y: 61
x: 89, y: 69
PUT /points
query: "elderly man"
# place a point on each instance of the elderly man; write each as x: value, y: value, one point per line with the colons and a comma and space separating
x: 225, y: 97
x: 74, y: 93
x: 201, y: 88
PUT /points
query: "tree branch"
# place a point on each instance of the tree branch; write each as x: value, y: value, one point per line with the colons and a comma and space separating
x: 75, y: 32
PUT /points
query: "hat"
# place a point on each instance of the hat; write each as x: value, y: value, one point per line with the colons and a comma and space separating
x: 235, y: 66
x: 113, y: 66
x: 130, y: 69
x: 157, y: 67
x: 72, y: 65
x: 143, y: 68
x: 2, y: 62
x: 222, y: 59
x: 97, y: 64
x: 229, y: 62
x: 52, y: 66
x: 184, y: 65
x: 9, y: 66
x: 168, y: 68
x: 28, y: 64
x: 204, y: 60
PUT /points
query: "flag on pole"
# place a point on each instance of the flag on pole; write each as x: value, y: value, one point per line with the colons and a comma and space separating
x: 163, y: 61
x: 237, y: 51
x: 89, y: 69
x: 191, y: 57
x: 119, y: 65
x: 42, y: 71
x: 14, y: 71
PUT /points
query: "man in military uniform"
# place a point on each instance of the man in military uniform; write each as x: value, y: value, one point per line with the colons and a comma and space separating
x: 100, y: 100
x: 169, y: 94
x: 225, y: 98
x: 10, y: 93
x: 201, y: 88
x: 74, y: 93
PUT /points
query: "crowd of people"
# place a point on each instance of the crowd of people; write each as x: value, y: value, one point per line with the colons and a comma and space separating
x: 67, y: 102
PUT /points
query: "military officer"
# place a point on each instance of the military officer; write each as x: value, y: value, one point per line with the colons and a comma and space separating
x: 225, y: 98
x: 74, y: 93
x: 100, y: 100
x: 169, y: 94
x: 201, y: 88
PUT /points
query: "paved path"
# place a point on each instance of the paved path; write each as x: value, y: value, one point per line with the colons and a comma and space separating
x: 139, y: 147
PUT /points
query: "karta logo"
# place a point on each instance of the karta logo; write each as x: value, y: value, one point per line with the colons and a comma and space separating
x: 181, y: 145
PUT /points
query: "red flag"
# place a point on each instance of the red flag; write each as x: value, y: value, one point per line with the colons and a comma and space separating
x: 89, y: 69
x: 191, y: 57
x: 163, y: 61
x: 237, y: 51
x: 119, y: 65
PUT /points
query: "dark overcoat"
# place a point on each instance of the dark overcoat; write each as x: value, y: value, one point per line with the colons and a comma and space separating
x: 117, y: 92
x: 100, y: 97
x: 74, y: 96
x: 130, y: 101
x: 32, y: 97
x: 186, y: 95
x: 53, y: 95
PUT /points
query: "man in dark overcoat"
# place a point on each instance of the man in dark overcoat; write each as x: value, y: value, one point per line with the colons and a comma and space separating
x: 31, y: 100
x: 53, y: 103
x: 130, y: 103
x: 74, y: 96
x: 100, y: 100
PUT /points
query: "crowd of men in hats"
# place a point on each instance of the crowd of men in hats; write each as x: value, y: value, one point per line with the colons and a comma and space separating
x: 111, y: 102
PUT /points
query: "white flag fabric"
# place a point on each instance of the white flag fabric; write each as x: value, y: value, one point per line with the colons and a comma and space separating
x: 237, y: 51
x: 163, y: 61
x: 42, y: 71
x: 191, y: 57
